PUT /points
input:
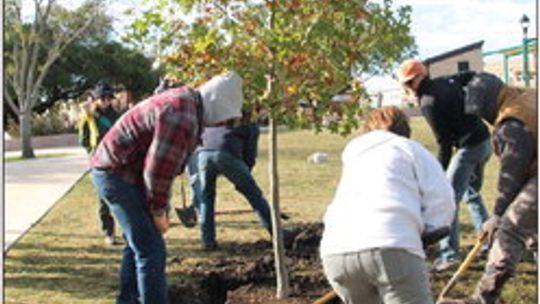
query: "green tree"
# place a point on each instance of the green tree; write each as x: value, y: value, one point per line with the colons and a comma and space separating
x: 36, y: 42
x: 288, y: 52
x: 83, y: 65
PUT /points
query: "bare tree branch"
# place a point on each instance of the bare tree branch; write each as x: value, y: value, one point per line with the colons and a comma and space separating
x: 53, y: 55
x: 10, y: 101
x: 37, y: 32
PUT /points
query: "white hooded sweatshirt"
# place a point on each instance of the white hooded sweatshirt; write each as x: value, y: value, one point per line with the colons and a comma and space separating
x: 391, y: 190
x: 222, y: 98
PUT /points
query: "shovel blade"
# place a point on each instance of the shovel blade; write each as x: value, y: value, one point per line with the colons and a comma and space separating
x: 187, y: 216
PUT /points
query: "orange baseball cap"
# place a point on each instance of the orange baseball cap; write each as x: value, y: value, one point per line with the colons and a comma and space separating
x: 409, y: 69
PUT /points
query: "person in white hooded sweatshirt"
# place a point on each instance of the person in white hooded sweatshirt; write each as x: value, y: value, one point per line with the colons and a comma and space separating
x: 392, y: 192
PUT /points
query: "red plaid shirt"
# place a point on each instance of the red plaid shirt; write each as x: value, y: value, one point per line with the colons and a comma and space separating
x: 150, y: 144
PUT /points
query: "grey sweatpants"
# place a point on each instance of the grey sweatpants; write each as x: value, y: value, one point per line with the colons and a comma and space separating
x: 390, y: 276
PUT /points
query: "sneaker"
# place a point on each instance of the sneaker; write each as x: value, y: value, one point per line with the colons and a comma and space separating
x: 441, y: 265
x: 110, y: 240
x: 209, y: 247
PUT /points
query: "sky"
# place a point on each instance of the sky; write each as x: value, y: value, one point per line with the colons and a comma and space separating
x: 437, y: 25
x: 443, y: 25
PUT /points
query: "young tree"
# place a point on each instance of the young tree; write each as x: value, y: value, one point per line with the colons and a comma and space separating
x: 36, y: 42
x: 288, y: 52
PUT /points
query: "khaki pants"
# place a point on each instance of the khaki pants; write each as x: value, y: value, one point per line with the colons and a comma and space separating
x: 390, y: 276
x: 517, y: 232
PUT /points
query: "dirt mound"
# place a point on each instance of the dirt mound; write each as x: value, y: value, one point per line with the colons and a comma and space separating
x: 245, y: 273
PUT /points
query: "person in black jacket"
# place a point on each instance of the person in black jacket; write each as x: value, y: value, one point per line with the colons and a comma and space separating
x: 442, y: 105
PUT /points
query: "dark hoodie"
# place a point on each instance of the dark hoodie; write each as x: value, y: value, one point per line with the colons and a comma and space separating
x: 512, y: 140
x: 442, y: 105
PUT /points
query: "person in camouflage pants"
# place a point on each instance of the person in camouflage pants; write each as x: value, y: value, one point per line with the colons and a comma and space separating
x: 513, y: 226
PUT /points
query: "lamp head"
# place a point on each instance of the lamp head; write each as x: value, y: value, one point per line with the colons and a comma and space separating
x: 524, y: 21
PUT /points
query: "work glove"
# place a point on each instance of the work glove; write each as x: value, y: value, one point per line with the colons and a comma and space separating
x: 490, y: 226
x: 433, y: 236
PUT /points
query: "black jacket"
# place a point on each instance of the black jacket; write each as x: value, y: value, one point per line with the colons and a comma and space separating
x: 240, y: 141
x: 442, y: 105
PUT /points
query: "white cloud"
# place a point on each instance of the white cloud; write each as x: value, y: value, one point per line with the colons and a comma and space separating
x: 444, y: 25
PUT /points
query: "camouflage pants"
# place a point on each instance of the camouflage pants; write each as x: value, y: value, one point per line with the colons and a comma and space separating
x: 517, y: 232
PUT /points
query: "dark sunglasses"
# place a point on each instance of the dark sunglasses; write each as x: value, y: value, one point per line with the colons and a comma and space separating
x: 409, y: 82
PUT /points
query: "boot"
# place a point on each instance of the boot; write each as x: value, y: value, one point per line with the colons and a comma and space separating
x: 490, y: 286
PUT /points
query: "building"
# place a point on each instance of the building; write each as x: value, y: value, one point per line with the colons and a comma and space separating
x: 466, y: 58
x: 507, y: 63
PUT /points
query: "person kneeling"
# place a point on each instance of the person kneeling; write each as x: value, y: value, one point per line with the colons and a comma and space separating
x: 392, y: 192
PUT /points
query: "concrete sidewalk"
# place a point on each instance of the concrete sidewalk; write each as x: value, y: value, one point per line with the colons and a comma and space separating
x: 32, y: 187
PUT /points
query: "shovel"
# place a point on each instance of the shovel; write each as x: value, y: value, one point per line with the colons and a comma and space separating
x: 327, y: 298
x: 186, y: 215
x: 464, y: 265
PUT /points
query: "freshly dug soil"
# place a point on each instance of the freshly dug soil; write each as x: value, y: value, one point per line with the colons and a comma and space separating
x: 245, y: 274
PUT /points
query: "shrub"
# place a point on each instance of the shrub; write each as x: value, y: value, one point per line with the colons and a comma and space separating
x: 59, y: 119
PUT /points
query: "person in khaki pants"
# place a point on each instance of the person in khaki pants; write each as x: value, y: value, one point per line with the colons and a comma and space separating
x: 513, y: 227
x: 391, y: 195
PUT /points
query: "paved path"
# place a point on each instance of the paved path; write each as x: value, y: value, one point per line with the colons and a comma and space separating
x: 32, y: 187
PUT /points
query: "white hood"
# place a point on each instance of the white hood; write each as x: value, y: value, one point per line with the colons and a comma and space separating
x: 222, y: 98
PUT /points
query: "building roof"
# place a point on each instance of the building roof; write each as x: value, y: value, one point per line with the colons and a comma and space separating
x: 452, y: 53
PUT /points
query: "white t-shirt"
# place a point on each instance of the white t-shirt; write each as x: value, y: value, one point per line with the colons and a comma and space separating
x: 391, y: 190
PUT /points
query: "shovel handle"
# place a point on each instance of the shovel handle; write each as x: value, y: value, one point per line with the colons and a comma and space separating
x: 183, y: 192
x: 329, y: 296
x: 464, y: 265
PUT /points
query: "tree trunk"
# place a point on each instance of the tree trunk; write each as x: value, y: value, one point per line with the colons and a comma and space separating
x: 25, y: 127
x: 282, y: 277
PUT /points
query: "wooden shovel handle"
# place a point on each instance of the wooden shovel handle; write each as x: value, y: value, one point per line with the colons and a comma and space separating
x: 464, y: 265
x: 183, y: 197
x: 329, y: 296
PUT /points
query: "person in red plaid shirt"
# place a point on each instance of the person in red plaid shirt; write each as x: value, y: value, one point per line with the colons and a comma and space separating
x: 135, y: 164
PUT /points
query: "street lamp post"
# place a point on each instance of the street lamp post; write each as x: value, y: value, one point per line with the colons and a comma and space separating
x: 525, y: 26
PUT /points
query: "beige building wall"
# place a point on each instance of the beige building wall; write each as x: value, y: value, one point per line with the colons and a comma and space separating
x: 449, y: 66
x: 515, y: 68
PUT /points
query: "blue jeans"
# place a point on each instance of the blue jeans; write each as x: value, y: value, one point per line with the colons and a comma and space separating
x: 142, y: 273
x: 212, y: 163
x: 466, y: 174
x: 193, y: 171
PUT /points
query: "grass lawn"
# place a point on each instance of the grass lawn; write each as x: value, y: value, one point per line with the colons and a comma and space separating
x: 63, y: 258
